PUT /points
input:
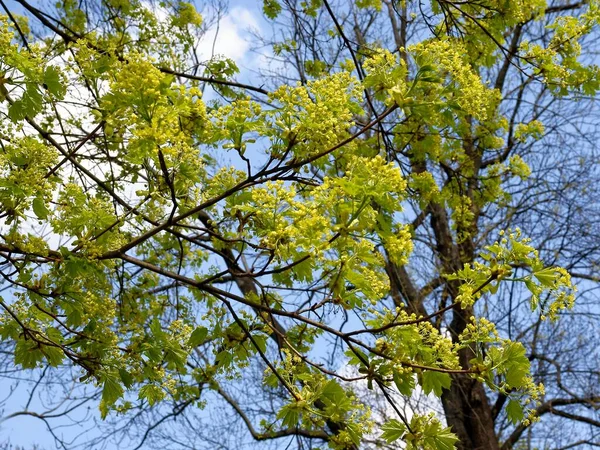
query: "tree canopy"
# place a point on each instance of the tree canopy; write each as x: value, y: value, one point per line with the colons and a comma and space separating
x: 396, y: 204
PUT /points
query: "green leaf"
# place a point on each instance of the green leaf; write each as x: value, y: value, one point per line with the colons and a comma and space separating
x: 261, y: 342
x: 198, y: 337
x: 427, y: 434
x: 28, y: 106
x: 533, y: 288
x: 534, y: 302
x: 54, y: 334
x: 336, y: 399
x: 358, y: 357
x: 335, y: 396
x: 271, y: 8
x: 153, y: 352
x: 393, y: 430
x: 19, y: 160
x: 517, y: 364
x: 153, y: 394
x: 271, y: 380
x: 32, y: 99
x: 16, y: 111
x: 304, y: 271
x: 3, y: 90
x: 435, y: 382
x: 126, y: 378
x: 224, y: 359
x: 27, y: 354
x: 74, y: 317
x: 355, y: 432
x: 53, y: 82
x: 442, y: 440
x: 54, y: 355
x: 514, y: 411
x: 39, y: 208
x: 111, y: 390
x: 289, y: 415
x: 546, y: 277
x: 404, y: 382
x: 493, y: 287
x: 175, y: 356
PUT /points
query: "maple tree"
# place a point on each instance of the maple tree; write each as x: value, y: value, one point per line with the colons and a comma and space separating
x: 135, y: 254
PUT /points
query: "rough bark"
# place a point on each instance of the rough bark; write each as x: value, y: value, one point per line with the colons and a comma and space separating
x: 469, y: 414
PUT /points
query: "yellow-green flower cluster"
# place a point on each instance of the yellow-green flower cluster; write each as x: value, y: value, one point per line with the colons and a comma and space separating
x: 558, y: 62
x: 317, y: 116
x: 462, y: 210
x: 518, y: 11
x: 375, y: 4
x: 425, y: 186
x: 7, y: 46
x: 373, y: 179
x: 399, y: 246
x: 518, y: 167
x: 450, y: 60
x: 384, y: 71
x: 187, y: 15
x: 234, y: 121
x: 418, y: 343
x: 24, y: 164
x: 286, y: 224
x: 533, y: 129
x: 512, y: 250
x: 479, y: 330
x: 90, y: 219
x: 474, y: 277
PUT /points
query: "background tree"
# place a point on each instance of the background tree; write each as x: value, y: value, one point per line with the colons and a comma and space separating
x: 550, y: 205
x: 362, y: 220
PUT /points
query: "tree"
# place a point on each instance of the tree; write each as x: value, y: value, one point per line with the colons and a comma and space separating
x: 374, y: 206
x: 552, y: 205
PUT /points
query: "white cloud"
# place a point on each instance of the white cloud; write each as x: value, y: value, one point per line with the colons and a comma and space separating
x: 231, y: 38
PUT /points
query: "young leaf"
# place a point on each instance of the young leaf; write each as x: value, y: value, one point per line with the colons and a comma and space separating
x: 126, y: 378
x: 517, y: 365
x: 435, y: 382
x: 427, y: 433
x: 514, y: 411
x: 39, y: 208
x: 393, y: 430
x: 16, y: 111
x: 197, y: 337
x: 53, y: 355
x: 404, y: 382
x: 152, y: 393
x: 53, y: 82
x: 111, y: 390
x: 289, y: 415
x: 546, y: 276
x: 27, y: 354
x: 444, y: 440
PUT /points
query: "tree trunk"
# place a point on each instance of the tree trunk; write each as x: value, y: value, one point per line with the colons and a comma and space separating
x: 469, y: 414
